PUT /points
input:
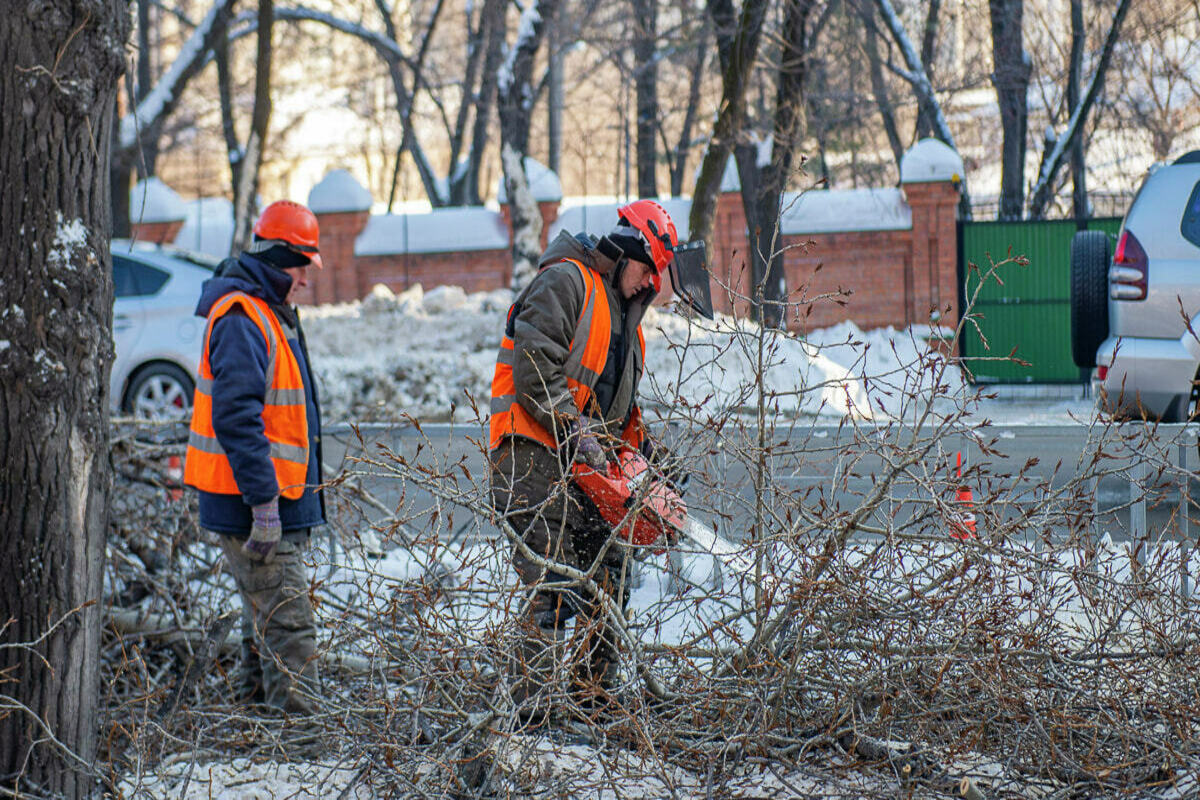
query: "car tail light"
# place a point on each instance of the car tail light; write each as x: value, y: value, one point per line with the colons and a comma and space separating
x: 1130, y: 270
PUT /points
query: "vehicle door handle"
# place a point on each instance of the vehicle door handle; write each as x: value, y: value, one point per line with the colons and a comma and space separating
x: 121, y: 323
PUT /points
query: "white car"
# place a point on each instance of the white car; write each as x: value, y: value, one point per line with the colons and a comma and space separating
x: 1135, y: 310
x: 156, y: 332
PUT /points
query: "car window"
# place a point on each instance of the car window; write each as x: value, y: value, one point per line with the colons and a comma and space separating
x: 123, y: 281
x: 1190, y: 226
x: 135, y: 279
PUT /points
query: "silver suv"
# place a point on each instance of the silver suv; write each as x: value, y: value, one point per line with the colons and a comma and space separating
x: 1135, y: 310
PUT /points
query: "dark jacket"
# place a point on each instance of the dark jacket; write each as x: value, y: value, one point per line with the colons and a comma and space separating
x: 237, y: 354
x: 544, y: 325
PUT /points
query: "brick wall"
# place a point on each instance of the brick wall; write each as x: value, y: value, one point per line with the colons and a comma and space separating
x: 155, y: 232
x: 896, y: 277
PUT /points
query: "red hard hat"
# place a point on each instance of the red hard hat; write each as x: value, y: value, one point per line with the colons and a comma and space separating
x: 657, y: 229
x: 292, y: 224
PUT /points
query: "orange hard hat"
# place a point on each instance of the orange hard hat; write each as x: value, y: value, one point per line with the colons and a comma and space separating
x: 290, y: 224
x: 657, y: 231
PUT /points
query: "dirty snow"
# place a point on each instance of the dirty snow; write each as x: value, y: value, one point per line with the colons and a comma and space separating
x: 430, y: 354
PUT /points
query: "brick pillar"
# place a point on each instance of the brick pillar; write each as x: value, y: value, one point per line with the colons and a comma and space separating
x: 934, y: 251
x: 338, y: 281
x: 156, y: 232
x: 728, y: 261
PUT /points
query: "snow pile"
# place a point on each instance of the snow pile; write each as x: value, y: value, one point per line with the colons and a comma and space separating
x: 930, y: 160
x: 425, y: 353
x: 339, y: 192
x: 151, y: 200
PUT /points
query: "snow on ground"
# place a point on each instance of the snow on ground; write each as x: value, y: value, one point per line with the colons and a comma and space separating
x: 431, y: 355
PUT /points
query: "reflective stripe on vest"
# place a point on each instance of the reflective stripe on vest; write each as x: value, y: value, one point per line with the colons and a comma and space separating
x: 285, y: 415
x: 585, y: 361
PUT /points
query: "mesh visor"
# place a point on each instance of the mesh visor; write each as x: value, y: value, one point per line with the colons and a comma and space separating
x: 690, y: 277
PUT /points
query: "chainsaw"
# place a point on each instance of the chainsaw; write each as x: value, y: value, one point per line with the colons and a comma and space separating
x: 646, y: 511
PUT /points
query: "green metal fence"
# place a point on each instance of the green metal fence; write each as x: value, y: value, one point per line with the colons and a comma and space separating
x: 1028, y: 309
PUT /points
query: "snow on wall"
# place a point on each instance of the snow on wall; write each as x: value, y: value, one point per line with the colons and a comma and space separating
x: 543, y: 183
x: 442, y: 230
x: 930, y: 161
x: 151, y: 200
x: 833, y: 211
x: 339, y: 192
x: 598, y: 216
x: 207, y: 226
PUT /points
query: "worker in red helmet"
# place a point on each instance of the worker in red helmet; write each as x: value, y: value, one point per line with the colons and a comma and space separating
x: 254, y: 450
x: 564, y: 391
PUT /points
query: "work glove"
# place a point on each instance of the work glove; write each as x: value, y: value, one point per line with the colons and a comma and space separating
x: 265, y: 532
x: 668, y: 466
x: 585, y: 443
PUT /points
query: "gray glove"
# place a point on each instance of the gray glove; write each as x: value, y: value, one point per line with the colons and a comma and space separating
x: 585, y: 443
x: 265, y: 533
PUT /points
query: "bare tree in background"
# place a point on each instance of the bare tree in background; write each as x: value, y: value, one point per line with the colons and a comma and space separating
x: 763, y: 186
x: 60, y: 63
x: 645, y: 79
x: 244, y: 162
x: 738, y: 35
x: 516, y: 109
x: 697, y: 62
x: 1011, y: 69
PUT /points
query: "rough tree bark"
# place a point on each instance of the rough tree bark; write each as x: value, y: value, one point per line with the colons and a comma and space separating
x: 60, y: 62
x: 244, y: 164
x: 515, y: 92
x: 928, y: 52
x: 645, y: 78
x: 1079, y: 203
x: 737, y: 45
x: 1011, y: 68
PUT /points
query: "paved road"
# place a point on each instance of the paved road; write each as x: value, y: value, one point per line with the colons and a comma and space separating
x: 1041, y: 480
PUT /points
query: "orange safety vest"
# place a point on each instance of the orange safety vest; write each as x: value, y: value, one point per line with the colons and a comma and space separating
x: 285, y: 417
x: 585, y: 362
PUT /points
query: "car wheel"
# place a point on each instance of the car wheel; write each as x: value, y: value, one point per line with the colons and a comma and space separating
x: 159, y: 391
x: 1091, y: 254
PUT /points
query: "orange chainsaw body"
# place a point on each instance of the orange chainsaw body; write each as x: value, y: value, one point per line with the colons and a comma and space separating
x: 641, y: 507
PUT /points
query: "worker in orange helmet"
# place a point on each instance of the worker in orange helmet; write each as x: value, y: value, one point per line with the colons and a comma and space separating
x: 564, y: 391
x: 254, y: 450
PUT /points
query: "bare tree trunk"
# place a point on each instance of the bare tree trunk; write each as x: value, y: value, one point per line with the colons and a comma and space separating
x: 59, y: 72
x: 1010, y: 75
x: 737, y: 45
x: 928, y: 53
x: 493, y: 10
x: 878, y: 83
x: 554, y: 95
x: 514, y: 87
x: 679, y: 154
x: 1079, y: 203
x: 645, y: 77
x: 245, y: 187
x: 769, y: 290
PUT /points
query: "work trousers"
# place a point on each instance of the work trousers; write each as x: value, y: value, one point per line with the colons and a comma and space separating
x: 278, y: 630
x: 559, y: 523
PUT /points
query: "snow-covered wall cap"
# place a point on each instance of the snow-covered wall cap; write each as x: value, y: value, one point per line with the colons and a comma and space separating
x: 597, y: 216
x: 543, y: 182
x: 151, y: 200
x: 931, y: 161
x: 835, y: 211
x: 207, y: 226
x: 443, y: 230
x: 339, y: 192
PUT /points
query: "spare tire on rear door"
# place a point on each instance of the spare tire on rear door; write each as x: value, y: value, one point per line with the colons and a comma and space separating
x: 1091, y: 254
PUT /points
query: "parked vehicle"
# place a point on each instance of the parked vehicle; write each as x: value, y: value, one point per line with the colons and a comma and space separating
x: 155, y: 330
x: 1135, y: 309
